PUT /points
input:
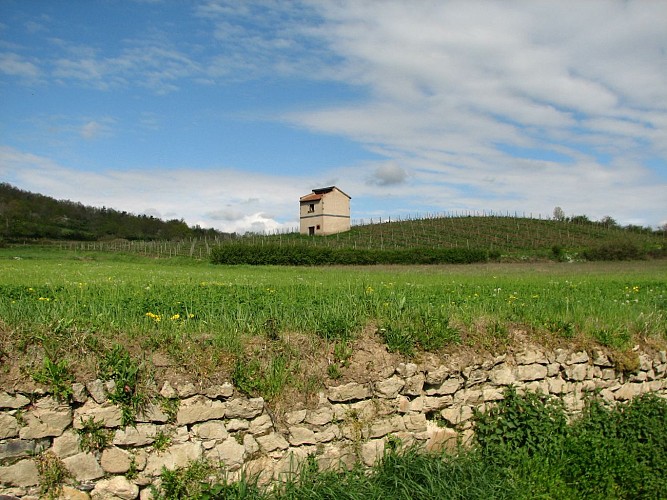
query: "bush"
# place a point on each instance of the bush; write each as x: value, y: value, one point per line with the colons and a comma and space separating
x: 620, y: 452
x: 58, y: 376
x: 608, y: 452
x: 307, y: 255
x: 615, y: 251
x: 521, y: 427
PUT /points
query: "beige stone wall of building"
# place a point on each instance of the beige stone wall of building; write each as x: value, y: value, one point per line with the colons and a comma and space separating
x: 311, y: 209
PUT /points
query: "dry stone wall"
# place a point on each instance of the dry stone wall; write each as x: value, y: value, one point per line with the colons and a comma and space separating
x: 353, y: 422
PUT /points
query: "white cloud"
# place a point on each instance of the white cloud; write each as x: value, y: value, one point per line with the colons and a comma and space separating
x: 92, y: 129
x: 388, y: 174
x: 15, y: 65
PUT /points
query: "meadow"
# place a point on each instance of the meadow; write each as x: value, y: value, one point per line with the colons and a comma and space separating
x: 259, y: 322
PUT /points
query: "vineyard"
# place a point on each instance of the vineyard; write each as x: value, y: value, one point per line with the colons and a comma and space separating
x: 511, y: 236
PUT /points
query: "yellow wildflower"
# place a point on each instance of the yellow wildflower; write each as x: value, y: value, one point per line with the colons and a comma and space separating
x: 155, y: 317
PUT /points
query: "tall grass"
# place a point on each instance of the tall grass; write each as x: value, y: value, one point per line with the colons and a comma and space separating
x: 156, y: 298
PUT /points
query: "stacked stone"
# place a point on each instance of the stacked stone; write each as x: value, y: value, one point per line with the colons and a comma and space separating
x: 429, y: 405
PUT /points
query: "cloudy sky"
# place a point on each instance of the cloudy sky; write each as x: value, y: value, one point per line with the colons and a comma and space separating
x: 224, y: 112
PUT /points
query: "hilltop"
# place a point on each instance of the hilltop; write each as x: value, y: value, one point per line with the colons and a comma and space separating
x: 504, y: 233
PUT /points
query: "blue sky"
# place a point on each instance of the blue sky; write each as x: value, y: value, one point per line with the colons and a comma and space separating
x: 224, y: 112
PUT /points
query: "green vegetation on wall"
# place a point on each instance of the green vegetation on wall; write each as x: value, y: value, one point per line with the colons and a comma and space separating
x: 525, y: 449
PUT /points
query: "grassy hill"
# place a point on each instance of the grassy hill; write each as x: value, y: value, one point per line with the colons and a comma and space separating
x: 506, y: 234
x: 27, y: 216
x: 511, y: 237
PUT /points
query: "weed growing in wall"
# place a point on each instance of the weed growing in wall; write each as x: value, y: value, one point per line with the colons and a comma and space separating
x: 57, y: 376
x: 52, y: 475
x: 119, y: 366
x: 93, y: 436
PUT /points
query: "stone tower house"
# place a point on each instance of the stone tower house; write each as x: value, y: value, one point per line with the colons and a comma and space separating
x: 324, y: 211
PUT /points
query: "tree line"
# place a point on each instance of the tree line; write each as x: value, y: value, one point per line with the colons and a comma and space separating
x: 26, y: 215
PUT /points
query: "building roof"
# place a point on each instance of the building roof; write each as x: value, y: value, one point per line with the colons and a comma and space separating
x: 319, y: 192
x: 311, y: 197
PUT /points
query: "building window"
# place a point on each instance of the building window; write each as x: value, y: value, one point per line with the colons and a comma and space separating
x: 311, y: 207
x: 318, y: 226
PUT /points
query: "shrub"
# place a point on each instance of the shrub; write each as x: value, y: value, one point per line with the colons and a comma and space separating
x: 619, y: 452
x: 93, y: 436
x: 308, y: 255
x: 615, y: 251
x: 520, y: 427
x: 558, y: 253
x: 608, y: 452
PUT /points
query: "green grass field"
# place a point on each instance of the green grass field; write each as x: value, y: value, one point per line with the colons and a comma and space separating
x: 66, y: 305
x: 67, y: 315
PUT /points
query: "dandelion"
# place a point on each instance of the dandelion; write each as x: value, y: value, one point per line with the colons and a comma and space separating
x: 44, y: 299
x: 175, y: 317
x: 369, y: 290
x: 155, y: 317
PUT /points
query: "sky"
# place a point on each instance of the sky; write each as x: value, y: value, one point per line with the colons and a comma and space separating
x: 224, y: 112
